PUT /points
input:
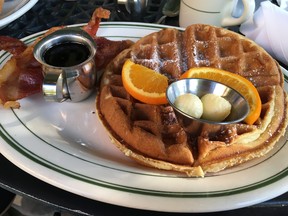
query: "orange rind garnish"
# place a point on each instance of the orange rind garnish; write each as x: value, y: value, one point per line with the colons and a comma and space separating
x: 144, y: 84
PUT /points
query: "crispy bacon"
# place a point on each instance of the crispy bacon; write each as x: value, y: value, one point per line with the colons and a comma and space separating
x: 94, y: 23
x: 22, y: 75
x: 12, y: 45
x: 106, y: 50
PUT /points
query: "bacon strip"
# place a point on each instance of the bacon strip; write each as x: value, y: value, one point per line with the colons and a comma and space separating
x: 12, y: 45
x: 94, y: 23
x: 20, y: 77
x: 107, y: 50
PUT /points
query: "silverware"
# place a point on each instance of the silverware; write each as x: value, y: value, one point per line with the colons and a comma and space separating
x: 136, y: 8
x: 170, y: 9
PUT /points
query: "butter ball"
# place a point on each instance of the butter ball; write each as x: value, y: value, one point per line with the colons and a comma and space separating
x: 215, y: 107
x: 190, y: 104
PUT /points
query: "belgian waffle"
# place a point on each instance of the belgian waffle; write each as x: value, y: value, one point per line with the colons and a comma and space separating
x: 152, y: 134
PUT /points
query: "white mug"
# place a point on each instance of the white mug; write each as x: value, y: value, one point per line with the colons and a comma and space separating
x: 222, y: 13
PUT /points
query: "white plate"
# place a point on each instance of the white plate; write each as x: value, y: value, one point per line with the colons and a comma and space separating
x: 14, y: 9
x: 65, y: 145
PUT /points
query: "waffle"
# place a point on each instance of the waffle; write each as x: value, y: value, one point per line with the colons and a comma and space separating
x: 155, y: 137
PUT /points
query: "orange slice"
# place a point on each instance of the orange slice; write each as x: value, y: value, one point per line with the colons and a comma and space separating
x: 237, y: 82
x: 144, y: 84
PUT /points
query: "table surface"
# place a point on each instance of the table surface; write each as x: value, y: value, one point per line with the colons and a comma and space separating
x: 44, y: 15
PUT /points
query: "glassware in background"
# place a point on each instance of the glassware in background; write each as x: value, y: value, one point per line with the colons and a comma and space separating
x: 148, y: 11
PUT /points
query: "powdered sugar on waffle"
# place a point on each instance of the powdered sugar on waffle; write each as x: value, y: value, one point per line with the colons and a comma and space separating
x: 156, y: 137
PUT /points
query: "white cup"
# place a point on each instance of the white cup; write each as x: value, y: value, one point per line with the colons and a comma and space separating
x: 222, y: 13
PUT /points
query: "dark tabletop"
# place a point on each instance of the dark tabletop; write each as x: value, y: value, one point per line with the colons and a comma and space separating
x: 44, y: 15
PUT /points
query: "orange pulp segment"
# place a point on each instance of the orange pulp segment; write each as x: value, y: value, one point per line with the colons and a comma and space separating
x: 235, y: 81
x: 144, y: 84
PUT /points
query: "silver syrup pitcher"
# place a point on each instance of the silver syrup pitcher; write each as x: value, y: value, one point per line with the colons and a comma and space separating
x: 72, y: 82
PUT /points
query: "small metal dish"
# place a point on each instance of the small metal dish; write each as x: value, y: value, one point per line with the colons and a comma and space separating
x: 200, y: 87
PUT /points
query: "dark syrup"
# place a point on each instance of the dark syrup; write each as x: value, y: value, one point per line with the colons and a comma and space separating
x: 66, y: 54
